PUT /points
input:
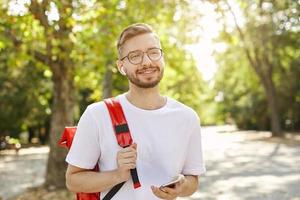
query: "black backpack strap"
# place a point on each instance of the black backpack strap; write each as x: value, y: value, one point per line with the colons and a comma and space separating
x: 113, y: 191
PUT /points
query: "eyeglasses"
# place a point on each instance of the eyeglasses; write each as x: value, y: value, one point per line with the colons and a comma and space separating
x: 136, y: 57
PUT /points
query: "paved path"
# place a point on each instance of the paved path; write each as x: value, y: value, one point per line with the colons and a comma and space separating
x: 245, y: 166
x: 18, y: 172
x: 239, y: 166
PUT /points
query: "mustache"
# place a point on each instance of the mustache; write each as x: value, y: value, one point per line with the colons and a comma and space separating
x: 152, y: 67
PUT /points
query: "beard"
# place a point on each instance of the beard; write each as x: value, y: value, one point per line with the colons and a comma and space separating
x: 133, y: 78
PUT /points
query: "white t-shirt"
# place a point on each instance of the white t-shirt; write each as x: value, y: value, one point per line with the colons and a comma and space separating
x: 168, y: 143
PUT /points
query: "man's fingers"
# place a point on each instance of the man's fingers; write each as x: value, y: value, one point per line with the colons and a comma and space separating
x: 128, y: 150
x: 130, y: 161
x: 164, y: 193
x: 159, y: 193
x: 127, y: 154
x: 170, y: 191
x: 129, y: 165
x: 126, y: 161
x: 126, y: 158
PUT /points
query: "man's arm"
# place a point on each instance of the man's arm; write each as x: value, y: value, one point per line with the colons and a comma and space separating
x: 185, y: 187
x: 84, y: 180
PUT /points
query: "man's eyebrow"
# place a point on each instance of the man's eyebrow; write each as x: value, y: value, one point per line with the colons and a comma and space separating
x: 134, y: 51
x: 153, y: 48
x: 140, y: 50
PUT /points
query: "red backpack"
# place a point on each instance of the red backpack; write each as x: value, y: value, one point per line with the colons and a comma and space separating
x: 123, y: 137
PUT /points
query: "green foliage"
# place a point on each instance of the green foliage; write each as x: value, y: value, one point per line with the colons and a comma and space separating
x: 181, y: 80
x: 26, y: 90
x: 25, y: 94
x: 271, y: 33
x: 235, y: 94
x: 25, y: 87
x: 241, y: 95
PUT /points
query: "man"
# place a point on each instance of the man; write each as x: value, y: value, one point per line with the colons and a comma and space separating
x: 166, y: 133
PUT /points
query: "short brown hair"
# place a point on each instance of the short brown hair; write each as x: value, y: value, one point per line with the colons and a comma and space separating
x: 132, y: 31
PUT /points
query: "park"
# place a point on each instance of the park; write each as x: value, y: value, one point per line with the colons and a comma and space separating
x: 235, y: 63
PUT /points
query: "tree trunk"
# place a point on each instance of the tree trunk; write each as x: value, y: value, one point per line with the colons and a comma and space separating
x: 107, y: 82
x: 264, y: 72
x: 62, y: 68
x: 272, y: 106
x: 62, y: 115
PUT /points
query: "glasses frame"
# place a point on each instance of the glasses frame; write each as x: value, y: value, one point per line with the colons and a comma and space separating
x: 127, y: 56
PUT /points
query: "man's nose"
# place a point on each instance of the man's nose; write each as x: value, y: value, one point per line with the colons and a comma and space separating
x: 146, y: 60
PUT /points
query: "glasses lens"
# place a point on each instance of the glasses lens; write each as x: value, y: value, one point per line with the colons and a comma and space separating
x: 154, y: 54
x: 135, y: 57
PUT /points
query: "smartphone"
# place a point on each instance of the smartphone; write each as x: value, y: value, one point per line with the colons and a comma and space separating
x: 173, y: 183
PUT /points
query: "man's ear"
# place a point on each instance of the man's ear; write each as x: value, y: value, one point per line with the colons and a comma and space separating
x: 120, y: 67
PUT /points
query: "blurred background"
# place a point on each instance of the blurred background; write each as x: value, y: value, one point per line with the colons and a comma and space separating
x: 236, y: 62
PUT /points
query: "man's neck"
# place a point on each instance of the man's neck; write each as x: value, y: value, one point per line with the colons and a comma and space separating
x: 147, y: 99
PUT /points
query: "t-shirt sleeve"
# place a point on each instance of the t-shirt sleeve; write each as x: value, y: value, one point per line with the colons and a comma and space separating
x: 85, y: 149
x: 194, y: 164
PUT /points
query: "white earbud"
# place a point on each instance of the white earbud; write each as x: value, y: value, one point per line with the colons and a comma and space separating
x: 122, y: 71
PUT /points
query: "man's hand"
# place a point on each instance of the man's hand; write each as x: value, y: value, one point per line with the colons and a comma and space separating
x: 126, y: 159
x: 169, y: 193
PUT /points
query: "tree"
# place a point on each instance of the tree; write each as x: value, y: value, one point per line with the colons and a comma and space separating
x: 258, y: 38
x: 23, y: 105
x: 74, y: 43
x: 56, y: 54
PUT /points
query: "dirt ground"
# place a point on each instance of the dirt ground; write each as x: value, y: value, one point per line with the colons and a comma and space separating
x: 240, y: 165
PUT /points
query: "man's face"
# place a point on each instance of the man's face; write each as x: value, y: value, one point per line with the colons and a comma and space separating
x: 148, y: 73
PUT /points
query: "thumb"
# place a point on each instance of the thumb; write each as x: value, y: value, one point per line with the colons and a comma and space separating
x: 134, y: 145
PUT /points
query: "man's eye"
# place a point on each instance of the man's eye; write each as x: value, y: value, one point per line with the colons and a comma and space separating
x: 154, y: 53
x: 135, y: 56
